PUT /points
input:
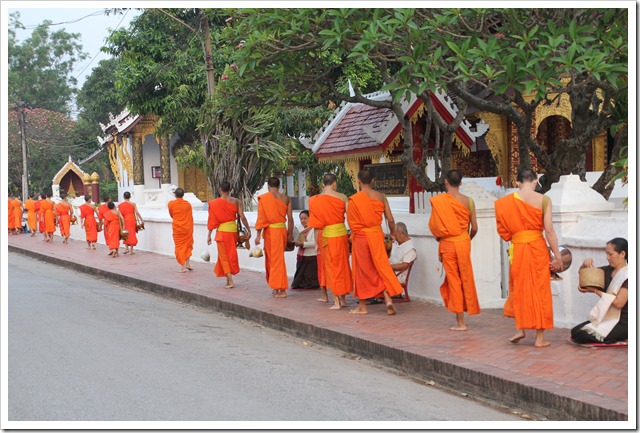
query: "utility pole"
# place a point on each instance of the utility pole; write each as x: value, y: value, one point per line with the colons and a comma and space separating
x: 25, y: 165
x: 208, y: 55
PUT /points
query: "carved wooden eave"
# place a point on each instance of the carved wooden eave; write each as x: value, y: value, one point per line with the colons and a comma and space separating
x: 69, y: 166
x: 387, y: 134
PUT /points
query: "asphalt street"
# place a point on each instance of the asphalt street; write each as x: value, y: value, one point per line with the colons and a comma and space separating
x: 85, y: 349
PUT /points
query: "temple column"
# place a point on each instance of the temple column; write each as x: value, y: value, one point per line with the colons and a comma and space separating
x: 95, y: 187
x: 138, y: 169
x: 165, y: 167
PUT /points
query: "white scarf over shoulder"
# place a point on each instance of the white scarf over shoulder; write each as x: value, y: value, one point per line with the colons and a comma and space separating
x: 604, y: 316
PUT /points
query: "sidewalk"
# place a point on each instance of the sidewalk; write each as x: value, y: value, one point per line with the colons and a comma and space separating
x: 560, y: 382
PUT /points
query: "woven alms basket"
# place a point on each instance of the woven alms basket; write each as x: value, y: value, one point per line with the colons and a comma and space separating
x: 591, y: 277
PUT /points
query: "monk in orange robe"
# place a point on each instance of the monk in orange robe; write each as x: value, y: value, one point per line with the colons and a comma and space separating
x: 113, y: 222
x: 16, y: 205
x: 182, y: 225
x: 41, y: 223
x: 46, y: 207
x: 131, y: 217
x: 64, y: 211
x: 274, y: 208
x: 223, y: 213
x: 30, y: 207
x: 101, y: 210
x: 12, y: 222
x: 88, y: 222
x: 521, y: 217
x: 326, y: 215
x: 453, y: 223
x: 372, y: 272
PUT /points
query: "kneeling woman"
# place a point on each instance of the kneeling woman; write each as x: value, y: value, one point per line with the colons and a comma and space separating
x: 608, y: 322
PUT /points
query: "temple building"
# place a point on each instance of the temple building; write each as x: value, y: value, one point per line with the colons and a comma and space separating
x: 142, y: 162
x: 485, y: 144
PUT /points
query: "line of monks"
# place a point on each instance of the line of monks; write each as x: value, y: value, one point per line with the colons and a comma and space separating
x: 521, y: 218
x: 43, y: 215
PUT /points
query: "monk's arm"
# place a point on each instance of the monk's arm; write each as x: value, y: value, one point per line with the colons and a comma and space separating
x: 552, y: 238
x: 289, y: 220
x: 243, y: 218
x: 316, y: 235
x: 389, y: 216
x: 474, y: 224
x: 258, y: 236
x: 209, y: 237
x: 135, y: 209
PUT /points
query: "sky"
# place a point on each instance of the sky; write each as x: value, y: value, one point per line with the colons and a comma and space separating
x: 91, y: 23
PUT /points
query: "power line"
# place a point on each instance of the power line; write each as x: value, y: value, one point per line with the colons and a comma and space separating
x: 93, y: 14
x: 96, y: 55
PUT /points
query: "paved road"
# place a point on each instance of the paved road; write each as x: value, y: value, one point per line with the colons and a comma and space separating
x: 86, y: 349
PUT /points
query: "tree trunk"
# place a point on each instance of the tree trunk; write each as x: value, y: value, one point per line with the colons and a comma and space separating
x: 25, y: 161
x: 603, y: 185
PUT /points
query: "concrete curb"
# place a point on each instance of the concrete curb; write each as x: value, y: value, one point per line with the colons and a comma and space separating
x: 464, y: 379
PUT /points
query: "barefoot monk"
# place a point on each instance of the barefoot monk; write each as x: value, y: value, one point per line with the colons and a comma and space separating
x: 88, y: 222
x: 182, y: 214
x: 372, y: 273
x: 453, y: 223
x: 521, y: 218
x: 275, y: 224
x: 223, y: 213
x: 327, y: 213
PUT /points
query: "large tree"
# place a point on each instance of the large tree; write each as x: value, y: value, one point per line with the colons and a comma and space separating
x: 505, y: 61
x: 169, y: 67
x: 39, y: 77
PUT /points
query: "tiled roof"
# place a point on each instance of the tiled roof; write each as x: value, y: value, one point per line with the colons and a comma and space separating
x: 349, y: 134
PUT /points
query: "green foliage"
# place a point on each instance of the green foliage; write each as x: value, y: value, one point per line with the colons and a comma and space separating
x: 108, y: 187
x: 49, y: 146
x: 40, y: 67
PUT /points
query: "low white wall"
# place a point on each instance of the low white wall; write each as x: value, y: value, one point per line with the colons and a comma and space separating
x: 583, y: 221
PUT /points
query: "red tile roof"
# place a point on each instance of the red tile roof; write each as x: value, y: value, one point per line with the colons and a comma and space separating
x: 348, y: 136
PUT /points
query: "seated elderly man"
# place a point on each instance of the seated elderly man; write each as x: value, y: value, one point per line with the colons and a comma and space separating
x: 403, y: 253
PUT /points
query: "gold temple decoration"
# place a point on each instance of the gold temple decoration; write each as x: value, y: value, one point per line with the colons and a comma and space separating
x: 113, y: 161
x: 496, y: 141
x: 165, y: 160
x: 138, y: 163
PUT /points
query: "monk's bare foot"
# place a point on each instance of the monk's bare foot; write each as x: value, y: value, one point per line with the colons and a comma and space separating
x: 391, y: 310
x: 358, y: 311
x: 229, y: 286
x: 33, y: 234
x: 517, y: 337
x: 274, y: 292
x: 322, y: 300
x: 343, y: 301
x: 126, y: 252
x: 280, y: 294
x: 335, y: 307
x: 182, y: 271
x: 542, y: 343
x: 190, y: 268
x: 131, y: 252
x: 458, y: 328
x: 111, y: 253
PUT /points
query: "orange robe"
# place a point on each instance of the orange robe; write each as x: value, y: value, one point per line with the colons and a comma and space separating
x: 372, y: 272
x: 12, y: 222
x: 102, y: 209
x: 325, y: 210
x: 64, y: 218
x: 17, y: 213
x: 272, y: 211
x: 182, y: 225
x: 220, y: 212
x: 450, y: 221
x: 112, y: 229
x: 39, y: 215
x: 46, y: 207
x: 30, y: 206
x: 529, y: 298
x: 129, y: 215
x: 90, y: 224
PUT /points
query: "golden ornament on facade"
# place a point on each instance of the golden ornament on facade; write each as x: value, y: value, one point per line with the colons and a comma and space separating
x: 86, y: 178
x: 95, y: 177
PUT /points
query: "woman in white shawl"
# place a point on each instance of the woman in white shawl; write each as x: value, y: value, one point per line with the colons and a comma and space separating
x: 608, y: 322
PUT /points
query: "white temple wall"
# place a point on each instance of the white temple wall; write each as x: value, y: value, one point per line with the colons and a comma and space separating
x: 583, y: 222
